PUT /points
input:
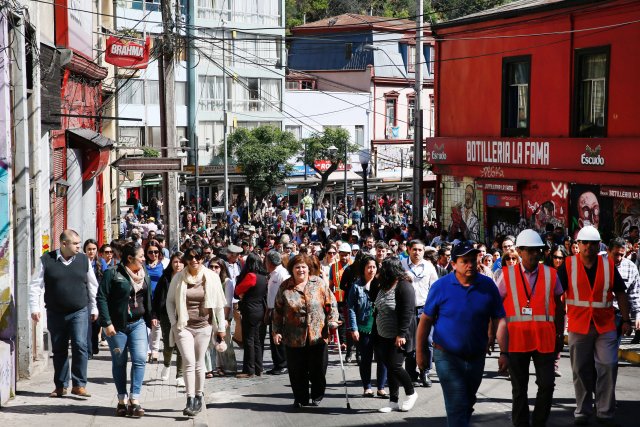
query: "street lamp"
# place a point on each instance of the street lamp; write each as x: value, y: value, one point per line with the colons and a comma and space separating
x: 365, y: 158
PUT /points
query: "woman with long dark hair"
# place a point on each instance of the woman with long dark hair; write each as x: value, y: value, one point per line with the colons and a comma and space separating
x: 195, y: 306
x: 160, y: 317
x: 251, y: 290
x: 360, y: 306
x: 90, y: 248
x: 124, y: 303
x: 153, y: 262
x: 396, y: 330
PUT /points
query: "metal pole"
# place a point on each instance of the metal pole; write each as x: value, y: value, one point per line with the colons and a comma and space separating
x: 365, y: 169
x: 225, y: 124
x: 345, y: 178
x: 304, y: 162
x: 417, y: 145
x: 197, y: 160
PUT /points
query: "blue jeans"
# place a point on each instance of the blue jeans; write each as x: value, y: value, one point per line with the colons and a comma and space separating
x: 365, y: 345
x: 65, y: 327
x: 134, y: 339
x: 410, y: 362
x: 459, y: 379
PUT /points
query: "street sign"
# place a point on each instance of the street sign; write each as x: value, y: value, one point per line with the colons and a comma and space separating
x: 213, y: 169
x: 149, y: 164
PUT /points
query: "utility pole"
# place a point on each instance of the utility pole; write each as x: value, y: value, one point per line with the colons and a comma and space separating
x: 166, y: 81
x: 417, y: 144
x: 225, y: 124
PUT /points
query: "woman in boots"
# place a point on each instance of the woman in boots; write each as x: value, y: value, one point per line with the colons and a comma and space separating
x: 195, y: 306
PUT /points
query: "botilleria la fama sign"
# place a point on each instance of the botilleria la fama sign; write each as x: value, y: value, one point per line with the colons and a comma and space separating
x: 584, y: 154
x: 127, y: 53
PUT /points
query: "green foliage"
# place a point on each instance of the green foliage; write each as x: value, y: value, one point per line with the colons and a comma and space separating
x: 262, y: 154
x: 150, y: 152
x: 435, y: 10
x: 317, y: 148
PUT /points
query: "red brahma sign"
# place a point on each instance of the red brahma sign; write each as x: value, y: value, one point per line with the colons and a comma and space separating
x: 127, y: 53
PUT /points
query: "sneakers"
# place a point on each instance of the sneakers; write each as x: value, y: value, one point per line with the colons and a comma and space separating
x: 409, y: 402
x: 180, y: 382
x: 393, y: 406
x: 165, y: 373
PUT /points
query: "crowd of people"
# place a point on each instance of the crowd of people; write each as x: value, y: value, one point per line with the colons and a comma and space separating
x: 385, y: 292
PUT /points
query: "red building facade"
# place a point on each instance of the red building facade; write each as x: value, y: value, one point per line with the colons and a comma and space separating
x: 537, y: 118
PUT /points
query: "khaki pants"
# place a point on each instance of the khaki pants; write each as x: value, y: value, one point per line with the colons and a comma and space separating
x: 193, y: 344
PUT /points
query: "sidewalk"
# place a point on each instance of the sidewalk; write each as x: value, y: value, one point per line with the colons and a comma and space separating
x: 163, y: 401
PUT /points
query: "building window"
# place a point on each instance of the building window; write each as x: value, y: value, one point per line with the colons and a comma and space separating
x: 516, y: 77
x: 390, y: 110
x: 307, y: 84
x: 292, y: 85
x: 131, y: 92
x: 411, y: 58
x: 359, y: 135
x: 348, y: 51
x: 411, y: 117
x: 295, y: 130
x: 252, y: 94
x: 591, y: 92
x: 131, y: 136
x: 209, y: 92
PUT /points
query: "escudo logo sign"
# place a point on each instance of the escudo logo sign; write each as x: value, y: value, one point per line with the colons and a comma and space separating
x: 592, y: 156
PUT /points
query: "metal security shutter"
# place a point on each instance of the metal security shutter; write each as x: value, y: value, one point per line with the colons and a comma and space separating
x: 58, y: 204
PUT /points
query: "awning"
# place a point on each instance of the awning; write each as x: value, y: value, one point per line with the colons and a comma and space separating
x: 83, y: 139
x: 95, y: 150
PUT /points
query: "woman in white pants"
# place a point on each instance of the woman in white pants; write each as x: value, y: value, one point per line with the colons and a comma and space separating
x: 195, y: 306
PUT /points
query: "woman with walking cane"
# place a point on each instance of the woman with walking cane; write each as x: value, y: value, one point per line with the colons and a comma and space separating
x: 305, y: 313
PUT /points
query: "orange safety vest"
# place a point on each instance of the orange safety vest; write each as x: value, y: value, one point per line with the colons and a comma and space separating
x: 535, y: 331
x: 337, y: 269
x: 586, y: 305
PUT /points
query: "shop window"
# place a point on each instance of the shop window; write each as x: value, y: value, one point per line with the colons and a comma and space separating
x: 516, y: 78
x: 591, y: 92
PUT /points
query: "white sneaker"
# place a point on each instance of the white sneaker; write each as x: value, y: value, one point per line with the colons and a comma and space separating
x: 180, y: 382
x: 408, y: 404
x: 166, y: 370
x: 393, y: 406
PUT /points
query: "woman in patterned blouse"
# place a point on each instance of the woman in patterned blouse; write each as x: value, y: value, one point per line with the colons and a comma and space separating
x: 305, y: 313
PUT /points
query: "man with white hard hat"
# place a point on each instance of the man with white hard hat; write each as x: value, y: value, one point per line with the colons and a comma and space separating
x: 591, y: 282
x: 336, y: 270
x: 533, y: 328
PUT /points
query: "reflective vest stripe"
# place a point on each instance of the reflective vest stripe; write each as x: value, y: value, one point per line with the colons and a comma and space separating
x: 547, y: 289
x: 536, y: 318
x: 607, y: 283
x: 574, y: 276
x: 579, y: 303
x: 514, y: 289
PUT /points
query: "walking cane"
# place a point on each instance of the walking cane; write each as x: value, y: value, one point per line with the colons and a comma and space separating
x: 344, y: 377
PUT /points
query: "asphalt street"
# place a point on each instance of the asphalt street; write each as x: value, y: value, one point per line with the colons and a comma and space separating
x: 267, y: 401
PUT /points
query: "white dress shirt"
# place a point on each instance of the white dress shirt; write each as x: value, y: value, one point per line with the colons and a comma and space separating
x: 36, y: 288
x: 423, y: 275
x: 276, y: 277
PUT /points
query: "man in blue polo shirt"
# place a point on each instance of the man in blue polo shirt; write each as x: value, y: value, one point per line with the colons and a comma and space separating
x: 460, y: 306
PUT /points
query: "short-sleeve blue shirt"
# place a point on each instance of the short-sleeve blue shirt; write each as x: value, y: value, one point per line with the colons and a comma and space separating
x: 461, y: 314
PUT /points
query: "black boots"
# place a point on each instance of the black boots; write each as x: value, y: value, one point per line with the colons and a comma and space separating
x: 194, y: 406
x: 188, y: 411
x: 197, y: 403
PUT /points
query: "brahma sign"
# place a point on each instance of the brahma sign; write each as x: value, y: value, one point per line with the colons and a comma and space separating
x: 127, y: 53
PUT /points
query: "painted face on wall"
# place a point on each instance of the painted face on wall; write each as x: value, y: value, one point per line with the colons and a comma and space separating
x: 469, y: 197
x: 588, y: 210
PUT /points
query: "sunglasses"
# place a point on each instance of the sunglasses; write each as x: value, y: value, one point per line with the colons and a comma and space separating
x: 558, y: 257
x: 191, y: 257
x: 331, y: 253
x: 153, y: 252
x: 108, y: 252
x: 512, y: 259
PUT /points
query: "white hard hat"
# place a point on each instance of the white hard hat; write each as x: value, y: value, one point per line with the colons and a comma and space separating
x: 528, y: 239
x: 588, y: 233
x: 344, y: 247
x: 355, y: 247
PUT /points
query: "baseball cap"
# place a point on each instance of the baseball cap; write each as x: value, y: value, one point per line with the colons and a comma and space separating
x: 463, y: 248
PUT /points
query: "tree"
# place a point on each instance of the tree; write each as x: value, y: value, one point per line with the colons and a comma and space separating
x: 262, y: 154
x: 317, y: 148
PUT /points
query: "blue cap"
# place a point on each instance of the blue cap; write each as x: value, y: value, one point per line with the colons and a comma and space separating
x: 463, y: 248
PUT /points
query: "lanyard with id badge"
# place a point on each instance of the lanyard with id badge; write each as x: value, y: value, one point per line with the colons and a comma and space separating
x: 526, y: 310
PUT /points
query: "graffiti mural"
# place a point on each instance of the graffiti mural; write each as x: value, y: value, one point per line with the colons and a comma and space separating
x: 586, y: 207
x: 546, y: 203
x: 461, y: 209
x: 626, y: 215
